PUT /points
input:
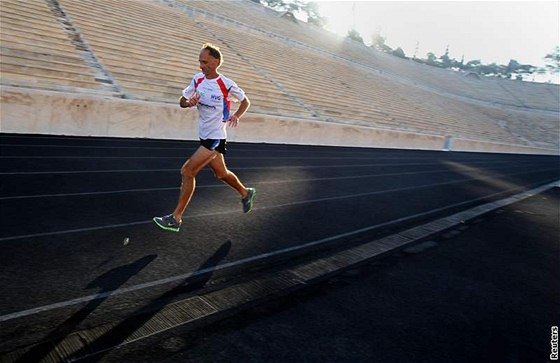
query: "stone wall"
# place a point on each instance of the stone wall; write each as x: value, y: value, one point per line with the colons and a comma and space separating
x: 47, y: 112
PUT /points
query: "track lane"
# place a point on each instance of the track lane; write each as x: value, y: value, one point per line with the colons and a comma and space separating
x: 307, y: 204
x: 92, y: 210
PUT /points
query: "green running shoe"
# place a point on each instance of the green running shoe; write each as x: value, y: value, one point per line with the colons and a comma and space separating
x: 249, y: 200
x: 168, y: 223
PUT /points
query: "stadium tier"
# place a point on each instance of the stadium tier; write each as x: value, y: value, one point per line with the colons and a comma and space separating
x: 147, y: 50
x: 37, y: 52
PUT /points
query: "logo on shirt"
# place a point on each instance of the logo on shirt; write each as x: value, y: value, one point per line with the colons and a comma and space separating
x: 205, y: 105
x: 216, y: 97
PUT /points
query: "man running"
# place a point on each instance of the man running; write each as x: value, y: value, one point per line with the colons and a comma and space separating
x: 210, y: 92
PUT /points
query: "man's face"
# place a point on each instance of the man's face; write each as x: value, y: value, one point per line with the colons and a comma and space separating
x: 208, y: 64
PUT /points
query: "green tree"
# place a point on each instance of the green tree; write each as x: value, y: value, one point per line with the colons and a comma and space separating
x: 399, y: 53
x: 311, y: 9
x: 280, y: 5
x: 313, y: 15
x: 512, y: 68
x: 526, y: 69
x: 473, y: 65
x: 431, y: 59
x: 445, y: 60
x: 378, y: 42
x: 354, y: 35
x: 491, y: 69
x: 552, y: 61
x: 458, y: 65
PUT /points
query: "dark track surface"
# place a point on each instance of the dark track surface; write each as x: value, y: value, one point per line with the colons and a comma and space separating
x: 485, y: 291
x: 487, y: 294
x: 68, y: 203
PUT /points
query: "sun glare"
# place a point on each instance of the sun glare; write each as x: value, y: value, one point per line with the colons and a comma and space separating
x: 487, y: 31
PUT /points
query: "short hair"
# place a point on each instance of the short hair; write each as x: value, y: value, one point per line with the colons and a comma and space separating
x: 214, y: 51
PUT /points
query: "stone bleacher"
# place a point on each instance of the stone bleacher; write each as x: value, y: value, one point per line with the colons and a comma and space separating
x: 36, y: 51
x: 147, y: 50
x: 267, y: 21
x: 156, y: 63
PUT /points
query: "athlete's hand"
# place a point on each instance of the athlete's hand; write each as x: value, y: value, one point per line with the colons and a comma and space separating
x: 189, y: 102
x: 233, y: 121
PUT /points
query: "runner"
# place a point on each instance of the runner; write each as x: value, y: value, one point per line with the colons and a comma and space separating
x: 211, y: 93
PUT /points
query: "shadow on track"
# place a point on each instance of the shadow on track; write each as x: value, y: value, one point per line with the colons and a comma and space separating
x: 109, y: 281
x: 118, y: 334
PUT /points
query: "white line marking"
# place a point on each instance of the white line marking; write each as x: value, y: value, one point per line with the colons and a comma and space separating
x: 176, y: 170
x: 184, y: 157
x: 30, y: 146
x: 346, y: 155
x: 193, y: 145
x: 141, y: 190
x: 309, y: 201
x: 243, y: 261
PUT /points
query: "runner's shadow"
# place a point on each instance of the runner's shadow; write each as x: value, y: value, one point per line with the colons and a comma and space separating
x: 137, y: 319
x: 107, y: 283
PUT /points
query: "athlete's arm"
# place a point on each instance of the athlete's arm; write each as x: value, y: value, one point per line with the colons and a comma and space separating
x: 243, y: 107
x: 189, y: 96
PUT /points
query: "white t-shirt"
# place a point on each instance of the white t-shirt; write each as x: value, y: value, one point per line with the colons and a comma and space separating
x: 213, y: 110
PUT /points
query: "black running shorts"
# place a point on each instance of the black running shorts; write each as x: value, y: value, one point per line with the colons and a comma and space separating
x: 215, y: 144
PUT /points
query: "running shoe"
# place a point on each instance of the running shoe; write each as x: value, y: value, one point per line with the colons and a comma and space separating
x: 249, y: 200
x: 168, y: 222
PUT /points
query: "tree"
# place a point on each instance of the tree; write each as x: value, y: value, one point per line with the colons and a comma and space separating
x: 280, y: 5
x: 311, y: 9
x: 354, y: 35
x: 456, y: 65
x: 552, y: 61
x: 491, y: 69
x: 313, y: 15
x: 399, y: 53
x: 445, y: 60
x: 378, y: 42
x: 472, y: 65
x: 512, y: 68
x: 431, y: 59
x: 526, y: 69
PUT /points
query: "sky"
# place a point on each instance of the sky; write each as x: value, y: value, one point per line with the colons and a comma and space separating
x: 489, y: 31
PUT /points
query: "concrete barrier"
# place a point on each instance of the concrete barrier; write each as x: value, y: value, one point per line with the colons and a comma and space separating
x: 47, y: 112
x: 495, y: 147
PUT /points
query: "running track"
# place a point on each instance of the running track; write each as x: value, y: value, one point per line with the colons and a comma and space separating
x: 68, y: 203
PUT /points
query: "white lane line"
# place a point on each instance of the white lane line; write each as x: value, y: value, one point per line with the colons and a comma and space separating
x: 120, y: 291
x: 370, y: 153
x: 346, y: 155
x: 176, y: 170
x: 30, y: 146
x: 96, y: 139
x: 193, y: 145
x: 309, y: 201
x: 81, y: 194
x: 88, y: 171
x: 184, y: 157
x: 234, y: 148
x: 141, y: 190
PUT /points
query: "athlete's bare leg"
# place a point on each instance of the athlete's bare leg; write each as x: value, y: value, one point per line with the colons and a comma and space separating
x: 201, y: 157
x: 222, y: 173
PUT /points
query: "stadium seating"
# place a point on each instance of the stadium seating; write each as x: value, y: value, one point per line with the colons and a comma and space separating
x: 147, y: 50
x: 36, y: 51
x: 252, y: 15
